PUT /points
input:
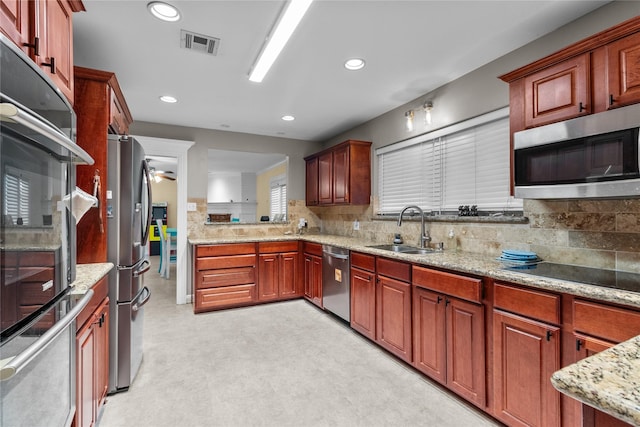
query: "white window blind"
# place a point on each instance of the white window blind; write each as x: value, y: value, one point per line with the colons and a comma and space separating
x: 278, y: 197
x: 464, y: 164
x: 16, y: 197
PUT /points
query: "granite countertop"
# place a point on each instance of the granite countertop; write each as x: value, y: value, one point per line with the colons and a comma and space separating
x: 609, y: 380
x: 88, y: 275
x: 463, y: 262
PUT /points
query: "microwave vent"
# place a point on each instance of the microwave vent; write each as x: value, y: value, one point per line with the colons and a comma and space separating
x: 199, y: 42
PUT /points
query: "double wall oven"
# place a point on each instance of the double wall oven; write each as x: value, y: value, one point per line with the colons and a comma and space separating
x: 37, y: 245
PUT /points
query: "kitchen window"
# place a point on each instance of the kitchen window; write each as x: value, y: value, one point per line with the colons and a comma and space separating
x: 463, y: 164
x: 279, y: 197
x: 16, y: 197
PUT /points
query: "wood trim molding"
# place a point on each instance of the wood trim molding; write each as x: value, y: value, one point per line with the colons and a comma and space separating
x: 109, y: 78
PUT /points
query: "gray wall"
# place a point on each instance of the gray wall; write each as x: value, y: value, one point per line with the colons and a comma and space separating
x: 205, y: 139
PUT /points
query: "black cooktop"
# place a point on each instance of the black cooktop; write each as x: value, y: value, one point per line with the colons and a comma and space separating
x: 592, y: 276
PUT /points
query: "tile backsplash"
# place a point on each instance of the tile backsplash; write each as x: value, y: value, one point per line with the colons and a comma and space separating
x: 603, y: 234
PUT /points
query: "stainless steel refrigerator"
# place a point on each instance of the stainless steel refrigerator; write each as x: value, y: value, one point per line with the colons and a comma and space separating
x: 128, y: 219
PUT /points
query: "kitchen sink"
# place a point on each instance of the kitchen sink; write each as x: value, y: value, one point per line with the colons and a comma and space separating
x: 405, y: 249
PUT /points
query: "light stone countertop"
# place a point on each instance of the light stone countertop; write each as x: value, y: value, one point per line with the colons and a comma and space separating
x: 609, y: 381
x: 88, y: 275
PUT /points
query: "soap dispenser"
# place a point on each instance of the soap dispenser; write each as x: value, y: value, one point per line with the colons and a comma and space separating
x: 397, y: 240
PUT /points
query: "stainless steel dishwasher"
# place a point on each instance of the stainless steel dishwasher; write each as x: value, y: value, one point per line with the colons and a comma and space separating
x: 336, y: 294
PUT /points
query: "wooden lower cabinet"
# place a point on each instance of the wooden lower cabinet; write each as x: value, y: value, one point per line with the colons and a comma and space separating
x: 526, y: 353
x: 313, y: 273
x: 224, y: 276
x: 363, y: 302
x: 92, y: 359
x: 278, y: 271
x: 393, y: 316
x: 448, y: 342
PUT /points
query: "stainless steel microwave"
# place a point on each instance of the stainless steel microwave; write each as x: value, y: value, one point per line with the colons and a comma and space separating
x: 595, y: 156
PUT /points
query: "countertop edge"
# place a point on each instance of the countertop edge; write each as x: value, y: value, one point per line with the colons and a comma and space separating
x: 608, y: 381
x: 87, y: 275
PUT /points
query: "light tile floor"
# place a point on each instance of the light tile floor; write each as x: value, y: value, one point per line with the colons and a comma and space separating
x: 280, y: 364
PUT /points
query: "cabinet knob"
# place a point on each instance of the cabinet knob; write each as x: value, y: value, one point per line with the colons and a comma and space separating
x: 51, y: 64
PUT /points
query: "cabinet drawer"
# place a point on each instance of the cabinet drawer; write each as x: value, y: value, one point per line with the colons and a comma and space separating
x: 207, y: 299
x: 37, y: 258
x: 611, y: 323
x: 100, y: 292
x: 230, y: 249
x: 396, y: 269
x: 451, y: 284
x: 527, y: 302
x: 277, y: 247
x: 312, y: 248
x: 363, y: 261
x: 225, y: 277
x: 210, y: 263
x: 32, y: 293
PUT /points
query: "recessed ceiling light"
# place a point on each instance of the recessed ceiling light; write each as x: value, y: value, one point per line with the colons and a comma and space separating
x: 163, y: 11
x: 168, y: 99
x: 354, y: 64
x: 288, y: 118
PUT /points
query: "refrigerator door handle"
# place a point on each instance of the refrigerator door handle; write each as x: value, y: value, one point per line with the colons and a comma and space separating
x: 144, y: 267
x: 147, y: 182
x: 140, y: 302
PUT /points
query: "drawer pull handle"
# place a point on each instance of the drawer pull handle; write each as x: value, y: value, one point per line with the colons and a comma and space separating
x: 578, y: 344
x: 549, y: 335
x: 35, y: 45
x: 51, y: 64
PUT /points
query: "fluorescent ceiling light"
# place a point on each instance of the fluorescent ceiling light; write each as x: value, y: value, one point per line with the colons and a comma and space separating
x: 286, y: 24
x: 163, y: 11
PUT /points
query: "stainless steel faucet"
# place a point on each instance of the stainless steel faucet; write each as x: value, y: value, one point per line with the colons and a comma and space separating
x: 425, y: 239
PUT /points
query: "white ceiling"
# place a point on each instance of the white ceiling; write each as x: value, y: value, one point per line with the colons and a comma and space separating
x: 411, y: 48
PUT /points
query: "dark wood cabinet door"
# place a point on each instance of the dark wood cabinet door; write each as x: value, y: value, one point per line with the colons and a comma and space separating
x: 313, y: 279
x: 393, y: 317
x: 288, y: 274
x: 623, y: 70
x: 587, y: 346
x: 341, y: 177
x: 268, y: 277
x: 429, y: 332
x: 466, y: 349
x: 85, y: 381
x: 311, y: 183
x: 316, y: 280
x: 363, y: 302
x: 102, y: 352
x: 325, y: 179
x: 526, y: 353
x: 14, y: 21
x: 56, y: 44
x: 558, y: 93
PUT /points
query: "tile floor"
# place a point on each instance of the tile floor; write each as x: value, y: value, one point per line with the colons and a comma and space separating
x: 280, y: 364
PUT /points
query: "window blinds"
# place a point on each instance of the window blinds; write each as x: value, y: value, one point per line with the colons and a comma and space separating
x: 465, y: 164
x: 16, y: 198
x: 278, y: 200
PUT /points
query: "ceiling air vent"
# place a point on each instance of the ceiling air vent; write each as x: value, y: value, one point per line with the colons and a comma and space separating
x: 199, y: 42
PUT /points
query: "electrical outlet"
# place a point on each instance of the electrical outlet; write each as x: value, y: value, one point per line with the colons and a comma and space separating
x: 356, y: 225
x: 191, y: 207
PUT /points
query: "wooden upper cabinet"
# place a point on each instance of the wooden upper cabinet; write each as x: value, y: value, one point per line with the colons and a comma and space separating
x: 44, y: 30
x: 592, y: 75
x: 623, y: 71
x: 340, y: 175
x: 14, y: 21
x: 311, y: 183
x: 325, y: 174
x: 558, y: 93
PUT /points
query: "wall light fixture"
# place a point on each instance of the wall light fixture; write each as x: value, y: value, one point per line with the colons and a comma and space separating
x: 426, y: 109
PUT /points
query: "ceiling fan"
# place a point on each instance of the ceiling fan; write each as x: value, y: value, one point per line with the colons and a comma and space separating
x: 158, y: 175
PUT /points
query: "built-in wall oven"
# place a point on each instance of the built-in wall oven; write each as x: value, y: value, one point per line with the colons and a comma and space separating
x: 37, y: 245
